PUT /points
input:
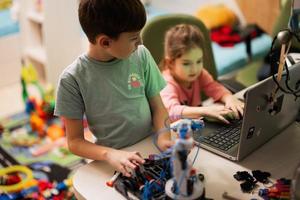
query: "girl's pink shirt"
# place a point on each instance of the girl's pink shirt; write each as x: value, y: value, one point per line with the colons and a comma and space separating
x: 176, y: 98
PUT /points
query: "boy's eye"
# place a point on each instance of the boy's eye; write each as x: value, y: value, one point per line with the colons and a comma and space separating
x: 185, y: 64
x: 133, y: 39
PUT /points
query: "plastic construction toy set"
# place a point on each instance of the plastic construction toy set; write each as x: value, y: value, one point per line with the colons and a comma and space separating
x: 148, y: 181
x: 169, y: 175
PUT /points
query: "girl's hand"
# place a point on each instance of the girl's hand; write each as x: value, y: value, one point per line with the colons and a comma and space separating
x: 216, y: 112
x: 123, y: 161
x: 231, y: 102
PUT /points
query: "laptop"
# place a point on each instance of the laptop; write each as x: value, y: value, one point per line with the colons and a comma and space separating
x: 262, y: 120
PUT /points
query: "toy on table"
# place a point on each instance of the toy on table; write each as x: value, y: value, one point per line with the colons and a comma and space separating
x: 185, y: 184
x: 168, y: 175
x: 280, y: 190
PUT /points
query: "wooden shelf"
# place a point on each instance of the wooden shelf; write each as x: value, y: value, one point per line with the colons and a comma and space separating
x: 37, y: 53
x: 36, y: 17
x: 42, y: 36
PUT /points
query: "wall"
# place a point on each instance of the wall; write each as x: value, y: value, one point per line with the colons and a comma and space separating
x: 10, y: 59
x: 263, y: 13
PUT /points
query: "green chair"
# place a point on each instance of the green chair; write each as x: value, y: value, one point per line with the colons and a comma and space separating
x: 153, y: 38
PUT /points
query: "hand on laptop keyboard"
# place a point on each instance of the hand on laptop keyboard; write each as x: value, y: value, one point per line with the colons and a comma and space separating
x: 215, y: 113
x: 230, y: 117
x: 233, y: 103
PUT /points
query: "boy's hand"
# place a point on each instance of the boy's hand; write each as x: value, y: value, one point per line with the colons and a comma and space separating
x: 216, y: 112
x: 232, y: 103
x: 123, y: 161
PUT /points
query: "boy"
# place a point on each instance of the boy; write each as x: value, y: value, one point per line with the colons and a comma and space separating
x: 116, y: 84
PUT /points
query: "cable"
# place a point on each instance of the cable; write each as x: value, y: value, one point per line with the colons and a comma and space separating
x: 286, y: 81
x: 198, y: 148
x: 155, y: 137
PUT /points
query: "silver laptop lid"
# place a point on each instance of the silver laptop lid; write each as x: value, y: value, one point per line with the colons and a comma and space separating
x: 263, y: 120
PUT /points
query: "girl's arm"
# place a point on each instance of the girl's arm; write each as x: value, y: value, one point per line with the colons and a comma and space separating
x: 170, y: 98
x: 211, y: 87
x: 159, y: 118
x: 120, y: 160
x: 214, y: 111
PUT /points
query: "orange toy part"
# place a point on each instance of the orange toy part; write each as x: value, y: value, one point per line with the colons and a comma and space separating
x: 37, y: 124
x: 55, y: 132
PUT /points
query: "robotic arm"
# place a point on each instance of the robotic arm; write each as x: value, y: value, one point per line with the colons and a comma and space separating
x: 284, y: 39
x: 185, y: 184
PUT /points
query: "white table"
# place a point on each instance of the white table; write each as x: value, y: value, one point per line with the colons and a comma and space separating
x: 279, y: 156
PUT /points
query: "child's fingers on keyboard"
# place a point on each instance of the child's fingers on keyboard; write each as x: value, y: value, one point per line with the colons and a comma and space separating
x: 223, y: 119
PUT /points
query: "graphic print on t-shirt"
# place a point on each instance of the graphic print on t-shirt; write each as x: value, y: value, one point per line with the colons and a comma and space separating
x: 134, y: 81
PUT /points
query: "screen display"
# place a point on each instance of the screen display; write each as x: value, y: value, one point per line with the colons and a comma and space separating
x: 295, y: 16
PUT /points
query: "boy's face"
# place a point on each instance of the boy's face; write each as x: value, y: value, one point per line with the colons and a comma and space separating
x: 125, y: 45
x: 187, y: 68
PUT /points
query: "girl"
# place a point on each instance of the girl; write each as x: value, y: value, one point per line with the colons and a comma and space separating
x: 186, y: 77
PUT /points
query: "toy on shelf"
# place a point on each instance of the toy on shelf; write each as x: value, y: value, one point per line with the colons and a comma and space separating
x: 168, y: 175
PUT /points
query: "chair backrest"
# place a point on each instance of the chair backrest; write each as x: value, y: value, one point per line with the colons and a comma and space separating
x: 154, y: 32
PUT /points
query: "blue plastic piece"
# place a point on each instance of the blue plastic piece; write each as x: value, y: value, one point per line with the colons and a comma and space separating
x: 197, y: 125
x: 61, y: 186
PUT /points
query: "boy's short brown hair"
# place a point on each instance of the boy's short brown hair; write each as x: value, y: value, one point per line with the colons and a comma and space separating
x: 110, y: 17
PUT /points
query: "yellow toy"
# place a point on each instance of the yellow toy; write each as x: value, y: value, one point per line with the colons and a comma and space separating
x: 26, y: 182
x: 4, y: 4
x: 214, y: 16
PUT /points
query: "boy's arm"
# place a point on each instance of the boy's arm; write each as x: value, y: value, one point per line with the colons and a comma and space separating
x: 160, y: 119
x: 120, y: 160
x: 78, y: 145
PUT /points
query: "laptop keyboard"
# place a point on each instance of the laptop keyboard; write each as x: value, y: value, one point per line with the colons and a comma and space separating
x: 225, y: 137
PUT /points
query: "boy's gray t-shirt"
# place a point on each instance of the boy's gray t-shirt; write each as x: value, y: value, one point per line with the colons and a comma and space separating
x: 113, y: 96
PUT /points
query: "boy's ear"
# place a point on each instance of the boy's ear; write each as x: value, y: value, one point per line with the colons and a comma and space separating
x: 104, y: 41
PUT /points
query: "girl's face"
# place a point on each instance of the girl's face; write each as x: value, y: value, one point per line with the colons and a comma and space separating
x: 187, y: 68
